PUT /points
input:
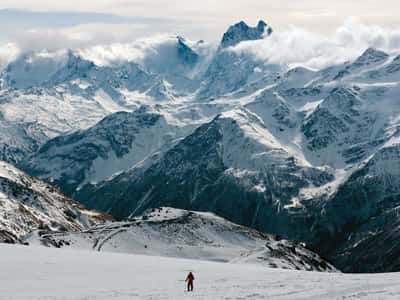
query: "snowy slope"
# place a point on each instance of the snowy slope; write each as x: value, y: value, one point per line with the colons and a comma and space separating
x: 78, y: 95
x: 230, y: 72
x: 185, y: 234
x: 71, y: 274
x: 232, y: 161
x: 276, y: 159
x: 303, y: 153
x: 369, y: 207
x: 32, y: 69
x: 115, y: 144
x: 27, y: 204
x: 47, y: 94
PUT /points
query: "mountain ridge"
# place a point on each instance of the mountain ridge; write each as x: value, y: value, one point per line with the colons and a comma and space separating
x: 291, y: 151
x: 172, y: 232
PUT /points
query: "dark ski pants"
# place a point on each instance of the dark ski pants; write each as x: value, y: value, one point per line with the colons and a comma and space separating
x: 190, y: 286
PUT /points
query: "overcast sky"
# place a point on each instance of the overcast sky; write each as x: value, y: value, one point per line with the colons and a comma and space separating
x: 205, y: 19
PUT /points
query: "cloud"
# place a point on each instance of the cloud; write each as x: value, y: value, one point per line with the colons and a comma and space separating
x: 107, y: 44
x: 79, y: 36
x: 8, y: 53
x: 35, y: 30
x: 316, y: 15
x: 22, y: 18
x: 298, y: 46
x: 16, y: 23
x: 136, y: 51
x: 157, y: 53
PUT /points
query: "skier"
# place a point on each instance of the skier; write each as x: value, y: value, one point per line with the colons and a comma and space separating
x: 189, y: 280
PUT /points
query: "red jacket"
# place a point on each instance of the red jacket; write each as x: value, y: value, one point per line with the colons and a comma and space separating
x: 189, y: 278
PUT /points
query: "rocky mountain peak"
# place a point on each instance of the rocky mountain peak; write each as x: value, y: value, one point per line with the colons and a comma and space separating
x: 186, y: 54
x: 371, y: 55
x: 240, y: 32
x: 261, y: 25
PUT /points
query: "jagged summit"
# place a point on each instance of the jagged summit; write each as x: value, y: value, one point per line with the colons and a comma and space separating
x: 242, y: 32
x: 261, y: 25
x: 371, y: 55
x: 76, y: 67
x: 186, y: 54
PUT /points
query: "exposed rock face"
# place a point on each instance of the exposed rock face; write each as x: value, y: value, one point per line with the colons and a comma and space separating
x: 242, y: 32
x: 222, y: 167
x: 27, y: 204
x: 187, y: 55
x: 118, y: 142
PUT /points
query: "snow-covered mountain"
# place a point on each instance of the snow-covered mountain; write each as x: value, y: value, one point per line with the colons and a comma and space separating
x: 367, y: 225
x: 306, y: 154
x: 230, y: 71
x: 277, y: 160
x: 44, y: 95
x: 115, y: 144
x: 233, y: 161
x: 185, y: 234
x: 27, y: 204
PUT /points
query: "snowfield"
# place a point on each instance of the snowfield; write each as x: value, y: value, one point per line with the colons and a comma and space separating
x: 185, y: 234
x: 43, y: 273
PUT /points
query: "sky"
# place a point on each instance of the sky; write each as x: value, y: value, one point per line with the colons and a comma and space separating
x: 206, y: 19
x: 318, y: 30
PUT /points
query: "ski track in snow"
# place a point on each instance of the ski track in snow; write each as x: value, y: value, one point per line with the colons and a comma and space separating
x: 41, y: 273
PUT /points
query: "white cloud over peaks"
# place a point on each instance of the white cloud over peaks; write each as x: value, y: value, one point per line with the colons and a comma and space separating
x: 79, y: 36
x: 8, y: 53
x: 298, y: 46
x: 136, y: 51
x: 294, y: 46
x: 155, y: 52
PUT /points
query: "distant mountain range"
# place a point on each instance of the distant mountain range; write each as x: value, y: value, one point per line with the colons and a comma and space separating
x: 309, y: 155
